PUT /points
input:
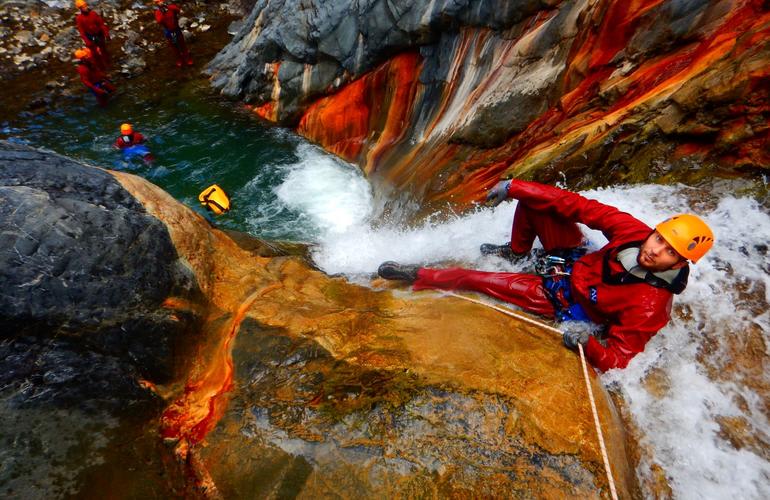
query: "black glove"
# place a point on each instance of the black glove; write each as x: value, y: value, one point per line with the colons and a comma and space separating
x: 499, y: 193
x: 572, y: 338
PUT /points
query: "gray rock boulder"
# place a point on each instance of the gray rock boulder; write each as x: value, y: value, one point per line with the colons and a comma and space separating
x: 350, y: 37
x: 84, y: 267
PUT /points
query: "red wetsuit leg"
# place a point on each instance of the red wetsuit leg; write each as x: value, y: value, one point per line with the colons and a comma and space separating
x: 524, y: 290
x: 553, y: 231
x: 177, y: 53
x: 104, y: 55
x: 184, y: 53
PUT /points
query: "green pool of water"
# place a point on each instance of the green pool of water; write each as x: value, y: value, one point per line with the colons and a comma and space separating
x: 197, y: 139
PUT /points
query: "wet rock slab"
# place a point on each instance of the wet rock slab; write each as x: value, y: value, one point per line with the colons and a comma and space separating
x: 298, y: 383
x: 303, y: 423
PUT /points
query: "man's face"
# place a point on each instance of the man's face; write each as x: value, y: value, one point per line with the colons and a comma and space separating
x: 657, y: 255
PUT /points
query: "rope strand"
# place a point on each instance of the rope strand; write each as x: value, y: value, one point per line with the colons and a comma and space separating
x: 544, y: 326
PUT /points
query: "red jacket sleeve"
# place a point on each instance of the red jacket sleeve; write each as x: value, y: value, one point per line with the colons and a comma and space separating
x: 627, y: 338
x: 138, y: 138
x: 158, y: 16
x: 576, y: 208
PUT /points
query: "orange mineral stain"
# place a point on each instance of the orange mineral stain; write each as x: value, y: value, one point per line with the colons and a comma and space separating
x: 197, y: 411
x: 372, y: 121
x: 368, y: 115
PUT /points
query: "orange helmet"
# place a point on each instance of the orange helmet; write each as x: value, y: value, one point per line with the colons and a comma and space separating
x: 80, y: 4
x: 83, y: 53
x: 688, y: 235
x: 126, y: 129
x: 160, y: 1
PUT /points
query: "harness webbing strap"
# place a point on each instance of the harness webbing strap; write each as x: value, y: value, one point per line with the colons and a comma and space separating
x: 544, y: 326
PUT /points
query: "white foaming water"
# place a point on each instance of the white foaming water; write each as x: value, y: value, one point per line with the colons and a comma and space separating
x: 332, y: 194
x: 679, y: 424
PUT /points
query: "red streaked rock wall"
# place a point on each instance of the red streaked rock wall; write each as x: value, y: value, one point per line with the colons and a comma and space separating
x: 615, y: 100
x: 362, y: 120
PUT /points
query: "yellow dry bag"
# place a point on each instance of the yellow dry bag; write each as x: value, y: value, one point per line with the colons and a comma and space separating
x: 215, y: 199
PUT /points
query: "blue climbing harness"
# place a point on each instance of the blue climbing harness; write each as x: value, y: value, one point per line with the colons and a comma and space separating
x: 173, y: 35
x: 556, y: 271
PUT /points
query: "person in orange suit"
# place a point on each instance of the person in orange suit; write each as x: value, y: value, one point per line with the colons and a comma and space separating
x: 93, y: 77
x: 94, y: 33
x: 167, y: 15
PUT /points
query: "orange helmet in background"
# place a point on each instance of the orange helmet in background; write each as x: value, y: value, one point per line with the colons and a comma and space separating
x: 80, y: 4
x: 83, y: 53
x: 126, y: 129
x: 688, y: 235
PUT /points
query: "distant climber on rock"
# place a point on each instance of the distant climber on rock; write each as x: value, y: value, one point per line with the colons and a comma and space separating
x: 132, y: 143
x: 627, y: 286
x: 94, y: 33
x: 167, y: 15
x: 93, y: 77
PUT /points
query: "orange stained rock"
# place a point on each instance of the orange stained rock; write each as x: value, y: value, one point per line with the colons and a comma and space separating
x: 597, y: 99
x: 196, y: 412
x: 613, y: 23
x: 369, y: 113
x: 402, y: 86
x: 269, y: 110
x: 581, y: 123
x: 444, y: 341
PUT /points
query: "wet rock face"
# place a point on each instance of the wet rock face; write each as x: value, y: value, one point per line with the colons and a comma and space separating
x: 595, y: 92
x: 325, y: 427
x: 81, y: 260
x: 321, y: 45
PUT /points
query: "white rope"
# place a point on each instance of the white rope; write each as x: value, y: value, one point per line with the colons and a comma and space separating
x: 544, y: 326
x: 598, y: 426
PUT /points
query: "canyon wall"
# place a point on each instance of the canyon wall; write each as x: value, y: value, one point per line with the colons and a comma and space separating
x: 441, y: 98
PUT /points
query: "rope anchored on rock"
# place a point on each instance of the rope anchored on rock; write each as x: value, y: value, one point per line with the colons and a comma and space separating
x: 544, y: 326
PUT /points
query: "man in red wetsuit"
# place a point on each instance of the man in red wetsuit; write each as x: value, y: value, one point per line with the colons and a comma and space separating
x: 94, y: 33
x: 93, y: 77
x: 627, y: 286
x: 167, y: 15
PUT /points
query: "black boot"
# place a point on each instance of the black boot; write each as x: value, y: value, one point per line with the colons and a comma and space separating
x: 503, y: 251
x: 394, y: 271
